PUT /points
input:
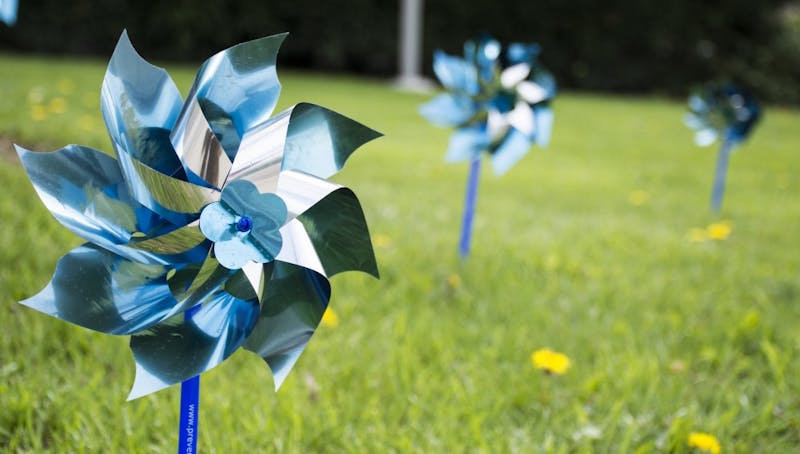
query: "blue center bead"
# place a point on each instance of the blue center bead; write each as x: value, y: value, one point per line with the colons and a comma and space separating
x: 244, y: 224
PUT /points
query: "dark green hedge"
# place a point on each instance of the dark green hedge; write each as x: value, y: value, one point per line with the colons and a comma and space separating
x: 614, y: 45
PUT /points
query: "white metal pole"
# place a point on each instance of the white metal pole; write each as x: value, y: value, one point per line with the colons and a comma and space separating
x: 410, y: 51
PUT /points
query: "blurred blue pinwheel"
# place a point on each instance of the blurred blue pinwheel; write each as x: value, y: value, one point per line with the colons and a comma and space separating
x: 498, y: 101
x: 8, y: 11
x: 721, y: 111
x: 210, y: 204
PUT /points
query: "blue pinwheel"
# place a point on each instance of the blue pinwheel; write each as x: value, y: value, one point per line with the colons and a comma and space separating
x: 8, y: 11
x: 213, y: 227
x: 499, y: 103
x: 722, y: 111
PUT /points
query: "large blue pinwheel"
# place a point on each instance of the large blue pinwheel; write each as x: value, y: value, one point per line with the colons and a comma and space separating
x: 499, y: 102
x: 8, y: 11
x: 722, y: 111
x: 213, y: 227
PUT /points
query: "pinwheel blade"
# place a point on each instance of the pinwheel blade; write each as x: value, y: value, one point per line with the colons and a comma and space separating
x: 204, y: 160
x: 511, y: 150
x: 319, y: 141
x: 8, y: 11
x: 301, y: 191
x: 298, y: 249
x: 522, y: 118
x: 513, y: 75
x: 465, y: 143
x: 140, y: 104
x: 86, y: 192
x: 178, y: 349
x: 455, y: 73
x: 544, y: 125
x: 449, y: 110
x: 234, y: 108
x: 178, y: 241
x: 294, y: 300
x: 338, y: 230
x: 261, y: 153
x: 81, y: 188
x: 172, y: 198
x: 99, y: 290
x: 531, y: 92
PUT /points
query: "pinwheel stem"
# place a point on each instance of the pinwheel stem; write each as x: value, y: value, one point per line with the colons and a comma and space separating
x: 719, y: 175
x: 469, y: 207
x: 190, y: 408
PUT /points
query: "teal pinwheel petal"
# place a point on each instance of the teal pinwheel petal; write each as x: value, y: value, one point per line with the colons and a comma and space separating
x: 140, y: 104
x: 217, y: 114
x: 8, y: 11
x: 485, y: 53
x: 175, y: 199
x: 544, y: 125
x: 456, y: 74
x: 85, y: 191
x: 305, y: 138
x: 81, y: 187
x: 233, y: 109
x: 183, y: 245
x: 510, y: 151
x: 97, y: 289
x: 294, y: 302
x: 466, y: 143
x: 522, y: 52
x: 319, y: 141
x: 338, y: 231
x: 178, y: 349
x: 449, y: 109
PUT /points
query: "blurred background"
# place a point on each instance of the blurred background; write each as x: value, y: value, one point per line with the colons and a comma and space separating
x: 616, y: 45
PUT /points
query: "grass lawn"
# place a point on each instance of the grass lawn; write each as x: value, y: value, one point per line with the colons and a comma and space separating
x: 584, y: 247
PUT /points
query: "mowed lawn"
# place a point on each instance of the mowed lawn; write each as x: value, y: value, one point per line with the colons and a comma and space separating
x: 595, y: 247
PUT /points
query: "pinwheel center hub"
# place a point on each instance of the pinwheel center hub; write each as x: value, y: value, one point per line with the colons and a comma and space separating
x: 244, y: 224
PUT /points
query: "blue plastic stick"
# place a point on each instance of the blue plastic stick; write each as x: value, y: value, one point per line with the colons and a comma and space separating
x: 190, y: 408
x: 719, y: 175
x: 469, y: 207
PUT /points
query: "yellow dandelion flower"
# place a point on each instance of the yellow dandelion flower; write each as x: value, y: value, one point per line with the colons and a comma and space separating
x: 57, y: 105
x: 381, y: 240
x: 697, y: 235
x: 38, y: 112
x: 66, y: 86
x: 720, y: 230
x: 550, y: 361
x: 704, y: 442
x: 329, y: 318
x: 454, y: 281
x: 638, y: 197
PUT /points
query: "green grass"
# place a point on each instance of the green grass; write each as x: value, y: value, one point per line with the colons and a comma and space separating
x: 666, y: 336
